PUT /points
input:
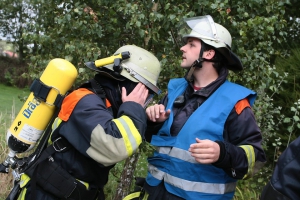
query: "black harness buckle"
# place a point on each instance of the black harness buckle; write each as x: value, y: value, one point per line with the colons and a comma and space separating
x: 59, y: 145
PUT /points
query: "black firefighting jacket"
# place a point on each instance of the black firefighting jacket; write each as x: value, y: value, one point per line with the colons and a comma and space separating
x: 99, y: 132
x: 285, y: 181
x: 99, y: 138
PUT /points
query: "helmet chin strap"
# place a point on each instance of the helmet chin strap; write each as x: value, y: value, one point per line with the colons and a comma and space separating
x: 196, y: 64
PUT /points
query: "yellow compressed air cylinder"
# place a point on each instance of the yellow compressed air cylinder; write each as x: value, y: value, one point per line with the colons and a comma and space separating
x: 36, y: 113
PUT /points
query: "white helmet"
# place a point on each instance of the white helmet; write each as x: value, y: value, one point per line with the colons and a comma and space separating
x: 213, y: 34
x: 139, y: 66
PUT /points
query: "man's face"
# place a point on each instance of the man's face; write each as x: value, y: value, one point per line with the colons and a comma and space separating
x: 190, y: 52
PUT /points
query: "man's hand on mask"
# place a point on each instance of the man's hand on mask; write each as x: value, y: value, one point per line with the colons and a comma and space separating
x: 139, y: 94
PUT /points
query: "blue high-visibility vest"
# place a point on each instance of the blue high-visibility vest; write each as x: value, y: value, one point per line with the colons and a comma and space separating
x: 173, y: 163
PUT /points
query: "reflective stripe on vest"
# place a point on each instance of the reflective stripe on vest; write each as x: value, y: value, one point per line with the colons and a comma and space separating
x: 181, y: 154
x: 192, y: 186
x: 129, y: 132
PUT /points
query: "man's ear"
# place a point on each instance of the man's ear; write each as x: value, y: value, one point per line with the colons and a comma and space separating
x: 209, y: 54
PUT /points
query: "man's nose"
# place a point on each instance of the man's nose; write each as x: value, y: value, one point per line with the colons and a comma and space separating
x: 182, y: 48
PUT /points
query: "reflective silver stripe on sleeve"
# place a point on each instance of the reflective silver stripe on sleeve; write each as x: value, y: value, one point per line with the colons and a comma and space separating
x: 130, y: 134
x: 211, y: 188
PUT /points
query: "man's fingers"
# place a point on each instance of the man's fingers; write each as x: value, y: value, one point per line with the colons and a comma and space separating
x: 167, y: 113
x: 202, y: 156
x: 146, y: 92
x: 152, y: 112
x: 205, y: 151
x: 139, y: 94
x: 124, y: 93
x: 157, y: 113
x: 139, y: 88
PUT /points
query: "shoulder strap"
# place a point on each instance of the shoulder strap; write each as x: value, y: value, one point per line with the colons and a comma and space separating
x: 97, y: 88
x: 99, y: 91
x: 59, y: 145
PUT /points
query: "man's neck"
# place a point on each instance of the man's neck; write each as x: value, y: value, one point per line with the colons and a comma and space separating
x: 204, y: 76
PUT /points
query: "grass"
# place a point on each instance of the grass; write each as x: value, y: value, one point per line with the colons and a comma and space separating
x: 10, y: 104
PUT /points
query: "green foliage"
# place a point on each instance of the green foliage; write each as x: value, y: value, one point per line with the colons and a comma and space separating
x: 288, y: 101
x: 290, y: 66
x: 13, y: 73
x: 293, y: 122
x: 5, y: 46
x: 81, y: 31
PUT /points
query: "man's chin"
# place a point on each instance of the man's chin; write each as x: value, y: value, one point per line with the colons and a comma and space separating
x: 185, y: 67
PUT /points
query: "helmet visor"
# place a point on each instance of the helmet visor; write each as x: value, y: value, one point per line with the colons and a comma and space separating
x: 129, y: 67
x: 202, y: 27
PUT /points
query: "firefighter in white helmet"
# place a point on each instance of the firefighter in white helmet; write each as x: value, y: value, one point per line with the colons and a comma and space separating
x: 99, y: 124
x: 204, y: 130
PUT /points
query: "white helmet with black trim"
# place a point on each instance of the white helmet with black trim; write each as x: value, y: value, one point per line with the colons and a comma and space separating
x: 213, y: 34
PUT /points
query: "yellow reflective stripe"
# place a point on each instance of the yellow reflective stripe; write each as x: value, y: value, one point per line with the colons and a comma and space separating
x: 129, y: 132
x: 55, y: 124
x: 24, y: 180
x: 249, y: 150
x: 146, y: 195
x: 87, y: 185
x: 132, y: 196
x: 22, y: 194
x: 135, y: 195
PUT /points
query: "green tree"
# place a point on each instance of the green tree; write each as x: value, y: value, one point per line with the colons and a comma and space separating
x: 81, y: 31
x: 288, y: 98
x: 16, y: 18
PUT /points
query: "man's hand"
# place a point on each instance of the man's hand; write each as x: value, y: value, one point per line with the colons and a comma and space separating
x: 157, y: 113
x: 205, y: 151
x: 139, y: 94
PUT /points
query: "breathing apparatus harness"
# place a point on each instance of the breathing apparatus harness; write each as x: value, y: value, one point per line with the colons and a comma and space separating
x: 40, y: 165
x: 42, y: 169
x: 51, y: 176
x: 41, y: 159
